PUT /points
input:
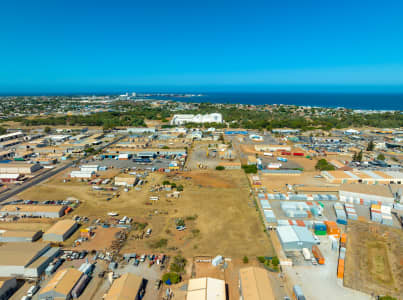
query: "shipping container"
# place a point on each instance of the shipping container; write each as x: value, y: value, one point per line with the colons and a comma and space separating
x: 320, y: 226
x: 298, y: 154
x: 298, y: 294
x: 306, y: 253
x: 318, y: 255
x: 340, y: 269
x: 80, y: 286
x: 343, y: 238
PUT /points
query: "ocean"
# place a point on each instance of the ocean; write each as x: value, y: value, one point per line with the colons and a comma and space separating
x: 352, y: 101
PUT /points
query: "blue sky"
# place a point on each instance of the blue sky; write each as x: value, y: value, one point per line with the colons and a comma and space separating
x: 96, y: 46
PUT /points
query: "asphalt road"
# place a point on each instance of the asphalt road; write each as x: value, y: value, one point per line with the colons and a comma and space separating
x: 46, y: 175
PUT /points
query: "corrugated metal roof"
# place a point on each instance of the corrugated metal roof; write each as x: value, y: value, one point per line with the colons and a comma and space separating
x: 255, y: 284
x: 304, y: 235
x: 206, y: 288
x: 287, y: 234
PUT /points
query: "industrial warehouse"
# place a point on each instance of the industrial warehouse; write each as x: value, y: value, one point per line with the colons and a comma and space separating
x: 206, y: 288
x: 61, y: 285
x: 295, y: 237
x: 366, y: 194
x: 16, y: 168
x: 363, y: 176
x: 254, y: 284
x: 128, y: 286
x: 9, y: 236
x: 25, y: 260
x: 28, y: 210
x: 60, y: 231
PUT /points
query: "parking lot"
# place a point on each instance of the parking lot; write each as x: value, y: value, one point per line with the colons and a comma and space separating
x: 150, y: 274
x: 122, y: 164
x: 289, y: 164
x: 328, y: 285
x: 199, y: 156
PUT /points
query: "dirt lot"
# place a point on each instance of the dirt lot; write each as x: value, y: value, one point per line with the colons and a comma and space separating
x: 214, y: 205
x: 374, y: 259
x: 306, y: 181
x: 223, y: 222
x: 101, y: 240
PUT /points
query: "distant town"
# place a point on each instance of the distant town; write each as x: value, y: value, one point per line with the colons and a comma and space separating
x: 146, y: 196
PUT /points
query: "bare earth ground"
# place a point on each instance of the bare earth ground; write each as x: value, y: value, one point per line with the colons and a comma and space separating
x: 306, y: 163
x: 306, y: 179
x: 224, y: 223
x: 374, y: 259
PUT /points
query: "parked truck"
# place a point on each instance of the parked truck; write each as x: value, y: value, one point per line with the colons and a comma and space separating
x: 306, y: 253
x: 318, y: 255
x: 298, y: 294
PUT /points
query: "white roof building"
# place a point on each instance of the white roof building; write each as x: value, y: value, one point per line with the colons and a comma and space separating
x: 207, y: 118
x: 206, y: 288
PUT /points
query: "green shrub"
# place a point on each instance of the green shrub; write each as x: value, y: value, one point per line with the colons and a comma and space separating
x: 275, y: 261
x: 323, y: 165
x: 172, y: 276
x: 249, y: 169
x: 220, y: 168
x: 178, y: 264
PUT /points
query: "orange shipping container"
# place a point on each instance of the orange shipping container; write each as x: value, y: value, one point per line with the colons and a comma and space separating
x: 340, y: 269
x: 343, y: 238
x: 376, y: 207
x: 318, y: 255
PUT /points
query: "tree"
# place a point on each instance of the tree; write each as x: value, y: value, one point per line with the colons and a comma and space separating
x: 179, y: 188
x: 48, y: 129
x: 245, y: 259
x: 221, y: 138
x: 359, y: 156
x: 323, y: 165
x: 380, y: 157
x: 370, y: 146
x: 275, y: 261
x: 220, y: 168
